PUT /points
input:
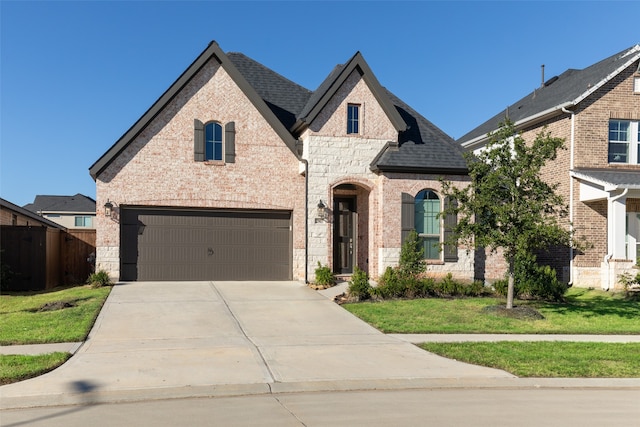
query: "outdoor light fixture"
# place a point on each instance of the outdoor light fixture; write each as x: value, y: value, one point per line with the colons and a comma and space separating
x: 108, y: 208
x: 322, y: 212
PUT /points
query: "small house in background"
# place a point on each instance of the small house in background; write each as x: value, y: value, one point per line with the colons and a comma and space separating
x: 37, y: 253
x: 72, y: 212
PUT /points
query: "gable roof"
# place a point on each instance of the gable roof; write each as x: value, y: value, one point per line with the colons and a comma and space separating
x: 289, y: 108
x: 72, y: 204
x: 7, y: 205
x: 332, y: 84
x: 563, y: 91
x: 212, y: 51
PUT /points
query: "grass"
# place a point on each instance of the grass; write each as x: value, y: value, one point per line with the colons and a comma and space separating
x: 15, y: 368
x: 584, y: 312
x: 547, y: 359
x: 21, y: 322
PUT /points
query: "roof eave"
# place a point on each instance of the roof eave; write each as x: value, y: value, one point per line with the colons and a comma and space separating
x: 527, y: 121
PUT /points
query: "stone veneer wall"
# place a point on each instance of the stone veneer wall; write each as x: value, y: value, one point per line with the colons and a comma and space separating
x: 158, y: 167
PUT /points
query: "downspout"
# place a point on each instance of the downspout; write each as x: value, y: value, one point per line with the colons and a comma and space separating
x: 607, y: 257
x: 571, y: 149
x: 306, y: 220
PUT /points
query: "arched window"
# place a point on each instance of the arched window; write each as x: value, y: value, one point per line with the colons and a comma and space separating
x: 213, y: 141
x: 427, y: 223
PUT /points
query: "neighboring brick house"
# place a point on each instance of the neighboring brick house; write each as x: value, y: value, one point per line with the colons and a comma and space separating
x: 597, y: 111
x: 72, y: 212
x: 237, y: 173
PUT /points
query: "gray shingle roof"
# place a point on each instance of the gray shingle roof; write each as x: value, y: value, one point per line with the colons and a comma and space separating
x: 285, y: 98
x: 569, y: 88
x: 73, y: 204
x: 423, y: 147
x: 289, y: 107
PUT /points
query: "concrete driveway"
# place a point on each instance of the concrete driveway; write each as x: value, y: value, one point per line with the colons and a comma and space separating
x: 185, y: 339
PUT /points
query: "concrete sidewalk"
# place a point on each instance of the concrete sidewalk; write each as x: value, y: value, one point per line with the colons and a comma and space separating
x: 188, y: 339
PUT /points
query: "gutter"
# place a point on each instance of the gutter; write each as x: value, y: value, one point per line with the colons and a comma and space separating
x: 527, y: 120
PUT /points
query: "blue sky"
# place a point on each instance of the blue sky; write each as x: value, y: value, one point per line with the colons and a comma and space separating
x: 76, y: 75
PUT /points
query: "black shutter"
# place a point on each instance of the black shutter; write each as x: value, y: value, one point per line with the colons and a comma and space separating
x: 198, y: 141
x: 230, y: 142
x: 407, y: 222
x: 450, y: 221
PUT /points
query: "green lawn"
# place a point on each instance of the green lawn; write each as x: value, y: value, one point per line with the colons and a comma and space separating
x: 584, y: 312
x: 22, y: 322
x: 548, y: 359
x: 15, y: 367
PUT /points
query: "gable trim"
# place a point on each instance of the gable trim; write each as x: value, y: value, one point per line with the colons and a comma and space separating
x: 213, y: 50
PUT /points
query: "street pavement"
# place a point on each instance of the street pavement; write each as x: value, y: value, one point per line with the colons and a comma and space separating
x: 165, y: 340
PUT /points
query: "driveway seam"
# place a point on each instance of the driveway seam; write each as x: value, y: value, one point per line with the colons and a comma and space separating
x: 244, y: 333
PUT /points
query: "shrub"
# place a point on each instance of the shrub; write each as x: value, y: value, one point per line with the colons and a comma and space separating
x: 533, y: 281
x: 99, y: 279
x: 448, y: 286
x: 390, y: 285
x: 411, y: 256
x: 324, y: 276
x: 359, y: 287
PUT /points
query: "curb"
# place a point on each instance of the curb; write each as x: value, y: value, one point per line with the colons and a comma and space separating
x: 231, y: 390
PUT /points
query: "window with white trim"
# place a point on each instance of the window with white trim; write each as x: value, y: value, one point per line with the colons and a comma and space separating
x: 624, y: 138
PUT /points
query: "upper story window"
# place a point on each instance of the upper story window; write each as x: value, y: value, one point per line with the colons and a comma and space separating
x: 83, y: 221
x: 213, y: 141
x: 353, y: 118
x: 636, y: 85
x: 427, y: 223
x: 208, y: 140
x: 624, y: 136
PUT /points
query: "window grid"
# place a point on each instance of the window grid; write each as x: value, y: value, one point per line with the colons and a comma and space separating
x: 213, y: 141
x: 353, y: 118
x: 624, y: 138
x: 427, y: 223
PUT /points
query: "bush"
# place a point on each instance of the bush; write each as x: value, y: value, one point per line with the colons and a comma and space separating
x: 533, y: 281
x: 359, y: 287
x: 99, y: 279
x: 324, y: 276
x: 390, y: 285
x: 411, y: 256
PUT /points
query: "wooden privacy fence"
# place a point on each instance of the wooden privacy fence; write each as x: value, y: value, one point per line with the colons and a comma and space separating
x: 36, y: 258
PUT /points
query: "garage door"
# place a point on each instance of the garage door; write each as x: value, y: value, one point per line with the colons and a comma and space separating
x: 168, y: 244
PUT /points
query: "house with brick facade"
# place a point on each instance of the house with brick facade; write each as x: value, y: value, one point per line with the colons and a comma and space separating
x: 597, y: 111
x: 238, y: 173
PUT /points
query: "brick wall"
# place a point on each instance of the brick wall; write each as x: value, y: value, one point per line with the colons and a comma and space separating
x: 158, y: 167
x: 613, y: 100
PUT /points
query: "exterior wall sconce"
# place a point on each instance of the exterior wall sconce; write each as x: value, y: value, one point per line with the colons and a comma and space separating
x: 108, y: 208
x: 111, y: 211
x: 322, y: 213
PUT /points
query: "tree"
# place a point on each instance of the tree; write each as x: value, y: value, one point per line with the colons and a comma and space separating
x: 507, y: 204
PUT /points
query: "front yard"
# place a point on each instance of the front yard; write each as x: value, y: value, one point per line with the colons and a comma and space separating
x: 583, y: 312
x: 52, y: 316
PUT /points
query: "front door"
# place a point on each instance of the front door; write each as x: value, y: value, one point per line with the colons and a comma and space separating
x: 344, y: 234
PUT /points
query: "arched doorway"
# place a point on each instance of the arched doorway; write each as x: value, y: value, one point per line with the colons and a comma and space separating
x: 350, y: 228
